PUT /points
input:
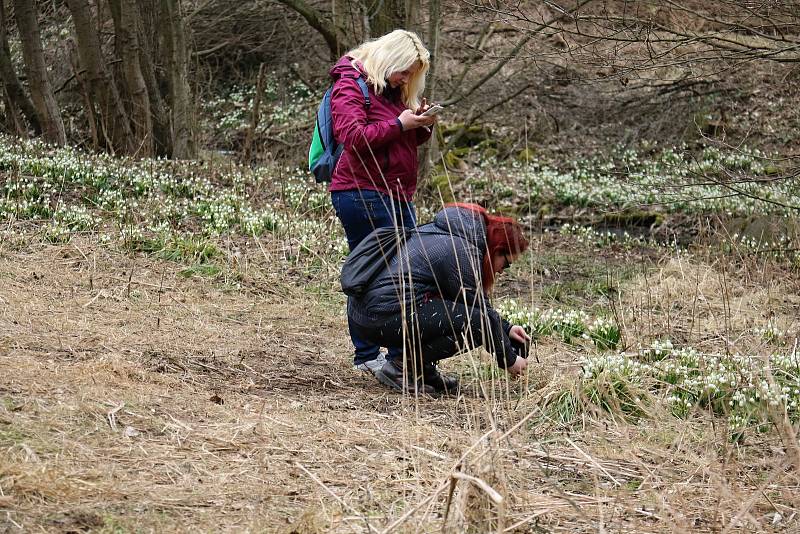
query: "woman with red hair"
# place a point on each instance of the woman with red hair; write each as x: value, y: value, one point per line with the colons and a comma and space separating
x: 431, y: 298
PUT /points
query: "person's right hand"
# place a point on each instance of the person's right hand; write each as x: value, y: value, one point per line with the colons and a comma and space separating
x: 519, y: 366
x: 411, y: 120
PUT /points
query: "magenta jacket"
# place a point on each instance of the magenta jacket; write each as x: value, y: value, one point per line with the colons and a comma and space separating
x: 378, y: 154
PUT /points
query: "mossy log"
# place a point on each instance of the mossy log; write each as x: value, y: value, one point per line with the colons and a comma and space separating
x: 632, y: 218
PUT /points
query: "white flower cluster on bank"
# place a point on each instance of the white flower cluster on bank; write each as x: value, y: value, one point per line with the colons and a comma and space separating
x: 749, y: 389
x: 152, y: 202
x: 568, y: 324
x: 674, y: 179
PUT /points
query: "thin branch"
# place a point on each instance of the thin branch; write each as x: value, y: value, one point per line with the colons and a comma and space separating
x: 489, y: 75
x: 316, y: 21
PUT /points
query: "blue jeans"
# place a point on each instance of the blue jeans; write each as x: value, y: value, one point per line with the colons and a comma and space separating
x: 361, y: 211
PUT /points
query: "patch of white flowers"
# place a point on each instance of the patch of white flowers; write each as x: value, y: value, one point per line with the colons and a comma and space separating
x: 603, y: 332
x: 781, y: 247
x: 229, y: 117
x: 157, y: 202
x: 590, y: 236
x: 674, y: 179
x: 56, y: 232
x: 748, y: 389
x: 568, y: 324
x: 616, y: 364
x: 76, y: 217
x: 771, y: 333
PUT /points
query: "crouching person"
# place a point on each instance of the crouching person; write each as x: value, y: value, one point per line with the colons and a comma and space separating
x: 430, y: 296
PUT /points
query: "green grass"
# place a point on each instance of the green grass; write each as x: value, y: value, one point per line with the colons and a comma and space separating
x: 113, y: 525
x: 578, y: 278
x: 10, y: 436
x: 203, y: 269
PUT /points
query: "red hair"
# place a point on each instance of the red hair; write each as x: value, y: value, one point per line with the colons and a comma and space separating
x: 503, y: 236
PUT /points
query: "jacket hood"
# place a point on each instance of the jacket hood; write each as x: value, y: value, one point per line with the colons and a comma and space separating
x: 464, y: 223
x: 343, y: 67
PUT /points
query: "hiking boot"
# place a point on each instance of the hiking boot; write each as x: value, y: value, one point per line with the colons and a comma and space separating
x: 371, y: 366
x: 442, y: 383
x: 393, y: 375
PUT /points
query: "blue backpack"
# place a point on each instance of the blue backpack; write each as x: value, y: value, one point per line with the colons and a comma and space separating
x: 324, y: 151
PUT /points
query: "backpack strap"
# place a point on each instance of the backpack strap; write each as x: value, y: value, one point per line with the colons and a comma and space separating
x: 362, y: 83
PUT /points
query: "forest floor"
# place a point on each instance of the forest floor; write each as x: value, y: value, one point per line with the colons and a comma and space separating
x: 137, y: 395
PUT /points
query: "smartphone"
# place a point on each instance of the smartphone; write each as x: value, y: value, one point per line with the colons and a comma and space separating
x: 433, y: 110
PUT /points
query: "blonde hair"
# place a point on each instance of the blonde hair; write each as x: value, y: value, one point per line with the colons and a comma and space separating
x: 394, y: 52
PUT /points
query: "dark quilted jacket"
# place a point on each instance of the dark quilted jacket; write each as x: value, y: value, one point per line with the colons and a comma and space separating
x: 442, y: 259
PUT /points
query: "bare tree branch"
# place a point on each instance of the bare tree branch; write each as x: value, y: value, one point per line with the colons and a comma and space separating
x: 461, y: 95
x: 315, y: 20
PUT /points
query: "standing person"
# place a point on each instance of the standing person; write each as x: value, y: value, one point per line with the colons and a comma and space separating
x: 376, y: 176
x: 433, y: 298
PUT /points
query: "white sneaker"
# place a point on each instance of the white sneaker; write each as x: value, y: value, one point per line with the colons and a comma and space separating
x: 370, y: 366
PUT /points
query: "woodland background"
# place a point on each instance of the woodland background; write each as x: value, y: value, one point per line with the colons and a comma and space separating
x: 176, y: 78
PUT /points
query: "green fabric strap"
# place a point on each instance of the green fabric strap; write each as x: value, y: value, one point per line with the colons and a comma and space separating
x: 316, y: 149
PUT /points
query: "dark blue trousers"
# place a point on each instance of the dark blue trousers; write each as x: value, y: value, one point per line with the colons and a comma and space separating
x: 361, y: 211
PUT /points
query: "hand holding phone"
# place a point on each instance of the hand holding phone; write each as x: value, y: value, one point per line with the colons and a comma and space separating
x: 433, y: 110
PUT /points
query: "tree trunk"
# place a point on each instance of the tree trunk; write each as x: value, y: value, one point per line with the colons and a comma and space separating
x: 254, y: 117
x: 390, y: 15
x: 150, y: 51
x: 86, y: 95
x: 180, y: 95
x: 16, y: 97
x: 126, y: 26
x: 41, y: 91
x: 413, y: 11
x: 345, y: 25
x: 316, y: 21
x: 11, y: 121
x: 111, y: 114
x: 430, y: 151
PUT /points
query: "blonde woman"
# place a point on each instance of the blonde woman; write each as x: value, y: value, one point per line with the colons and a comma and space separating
x: 376, y: 176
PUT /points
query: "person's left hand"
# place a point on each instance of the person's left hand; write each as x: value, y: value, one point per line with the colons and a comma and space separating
x: 517, y: 333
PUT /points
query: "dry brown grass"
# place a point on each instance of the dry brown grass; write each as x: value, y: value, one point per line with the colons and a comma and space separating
x: 711, y: 301
x: 152, y: 402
